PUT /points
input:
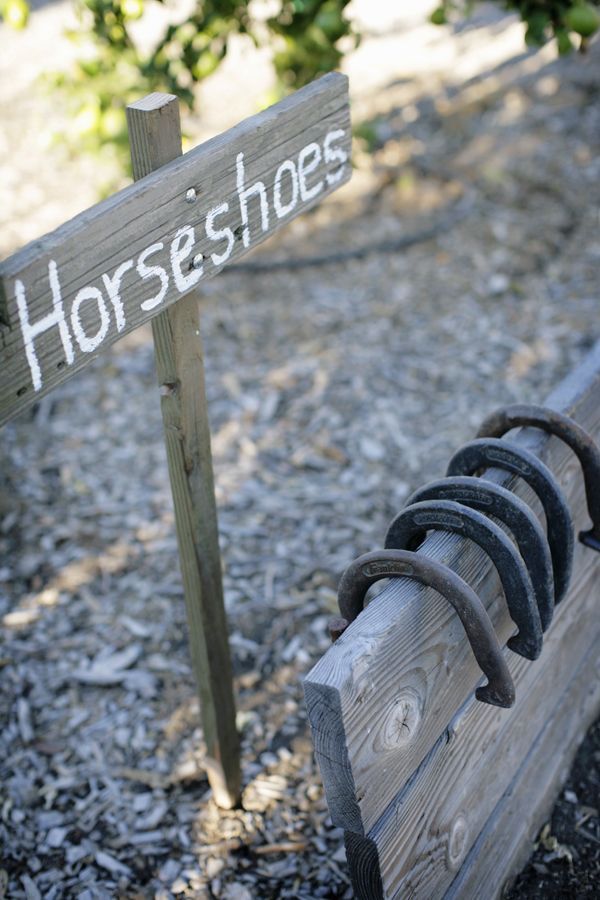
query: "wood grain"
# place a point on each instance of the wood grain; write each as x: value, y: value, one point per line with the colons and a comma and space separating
x: 64, y: 274
x: 505, y: 843
x: 364, y: 865
x: 454, y: 792
x: 155, y: 139
x: 403, y: 667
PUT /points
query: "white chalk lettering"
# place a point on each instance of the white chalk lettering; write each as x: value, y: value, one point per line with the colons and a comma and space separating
x: 218, y: 234
x: 86, y: 342
x: 179, y: 253
x: 335, y: 154
x: 112, y: 283
x: 145, y: 272
x: 55, y: 318
x: 86, y: 318
x: 244, y: 194
x: 281, y: 209
x: 307, y: 168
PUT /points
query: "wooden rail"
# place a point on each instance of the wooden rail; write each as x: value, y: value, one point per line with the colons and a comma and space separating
x: 439, y: 794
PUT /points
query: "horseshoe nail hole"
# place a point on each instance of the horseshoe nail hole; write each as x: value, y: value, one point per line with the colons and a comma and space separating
x: 21, y: 391
x: 238, y: 232
x: 61, y: 364
x: 197, y: 261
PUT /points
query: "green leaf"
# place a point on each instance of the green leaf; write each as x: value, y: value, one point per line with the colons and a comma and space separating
x: 438, y: 16
x: 564, y: 42
x: 15, y: 13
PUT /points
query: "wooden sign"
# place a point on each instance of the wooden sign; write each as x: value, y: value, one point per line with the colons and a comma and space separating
x: 75, y: 291
x: 140, y: 256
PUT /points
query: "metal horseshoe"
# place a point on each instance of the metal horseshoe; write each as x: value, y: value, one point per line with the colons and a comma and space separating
x: 492, y: 499
x: 577, y: 438
x: 486, y: 453
x: 408, y: 530
x: 372, y: 567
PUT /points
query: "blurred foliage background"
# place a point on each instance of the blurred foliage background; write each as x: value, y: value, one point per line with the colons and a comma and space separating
x: 114, y: 69
x: 570, y: 22
x: 306, y: 38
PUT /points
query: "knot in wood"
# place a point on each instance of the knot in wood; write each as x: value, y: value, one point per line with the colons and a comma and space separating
x: 402, y: 721
x: 457, y: 842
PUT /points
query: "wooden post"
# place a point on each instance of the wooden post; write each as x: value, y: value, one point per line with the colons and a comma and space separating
x: 155, y: 139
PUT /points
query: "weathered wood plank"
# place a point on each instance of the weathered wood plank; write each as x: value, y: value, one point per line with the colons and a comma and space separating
x: 505, y: 844
x: 426, y: 832
x: 404, y: 666
x: 70, y: 294
x: 155, y: 139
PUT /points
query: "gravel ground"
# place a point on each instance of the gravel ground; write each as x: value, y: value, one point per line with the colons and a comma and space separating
x: 333, y: 391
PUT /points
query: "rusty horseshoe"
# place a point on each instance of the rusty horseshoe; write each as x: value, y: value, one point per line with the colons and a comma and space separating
x: 408, y: 530
x: 497, y: 501
x: 494, y: 453
x: 565, y: 428
x: 372, y: 567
